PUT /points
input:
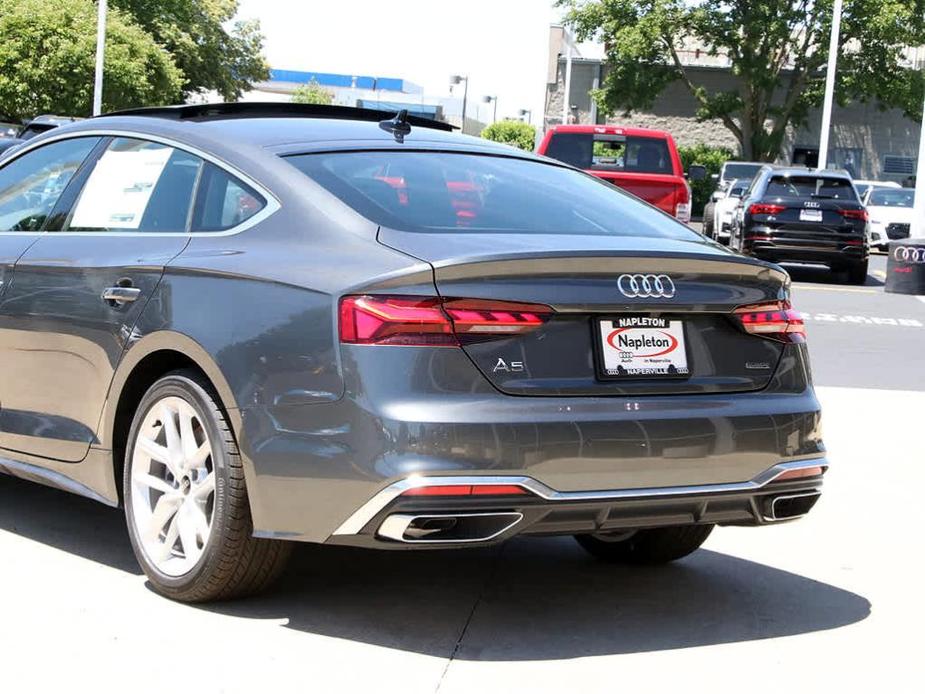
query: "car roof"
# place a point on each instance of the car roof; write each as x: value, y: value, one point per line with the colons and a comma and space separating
x: 611, y: 130
x: 288, y: 128
x: 806, y: 171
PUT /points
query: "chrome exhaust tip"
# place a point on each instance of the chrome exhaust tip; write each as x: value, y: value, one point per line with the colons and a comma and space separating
x: 449, y: 528
x: 790, y: 506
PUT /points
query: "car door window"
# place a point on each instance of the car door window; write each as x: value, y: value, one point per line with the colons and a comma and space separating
x: 224, y: 202
x: 31, y: 184
x: 137, y: 186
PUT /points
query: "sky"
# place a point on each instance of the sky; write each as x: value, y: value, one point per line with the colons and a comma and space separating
x: 501, y: 44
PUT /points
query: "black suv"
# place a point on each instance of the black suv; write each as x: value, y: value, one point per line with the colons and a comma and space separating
x: 803, y: 216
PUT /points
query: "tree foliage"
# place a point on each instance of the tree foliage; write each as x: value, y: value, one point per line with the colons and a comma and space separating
x: 312, y: 93
x: 777, y: 49
x: 713, y: 159
x: 47, y: 60
x: 511, y: 132
x: 211, y: 53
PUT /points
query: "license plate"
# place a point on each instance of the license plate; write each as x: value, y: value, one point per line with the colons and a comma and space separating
x: 642, y: 347
x: 810, y: 215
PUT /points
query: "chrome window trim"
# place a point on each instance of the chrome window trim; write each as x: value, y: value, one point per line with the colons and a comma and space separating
x: 363, y: 515
x: 273, y: 203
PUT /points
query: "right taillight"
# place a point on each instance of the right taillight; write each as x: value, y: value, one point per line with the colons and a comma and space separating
x: 776, y: 321
x: 765, y: 208
x: 433, y: 321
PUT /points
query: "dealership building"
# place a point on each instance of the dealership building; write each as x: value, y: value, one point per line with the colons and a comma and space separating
x: 870, y: 141
x: 367, y: 91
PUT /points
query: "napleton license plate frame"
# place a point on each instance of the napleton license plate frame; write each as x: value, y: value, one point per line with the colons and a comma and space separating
x: 599, y: 357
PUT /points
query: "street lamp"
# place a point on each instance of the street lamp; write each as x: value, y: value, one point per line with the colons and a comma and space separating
x: 526, y: 114
x: 918, y: 213
x: 488, y: 100
x: 456, y: 79
x: 829, y: 87
x: 100, y: 48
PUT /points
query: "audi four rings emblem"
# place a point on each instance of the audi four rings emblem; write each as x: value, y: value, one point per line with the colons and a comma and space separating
x: 909, y: 254
x: 646, y: 286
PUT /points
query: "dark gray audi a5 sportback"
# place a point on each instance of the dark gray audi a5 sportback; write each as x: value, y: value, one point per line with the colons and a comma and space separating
x: 251, y: 324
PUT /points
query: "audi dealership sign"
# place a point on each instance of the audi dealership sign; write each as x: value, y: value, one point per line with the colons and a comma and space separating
x: 905, y: 267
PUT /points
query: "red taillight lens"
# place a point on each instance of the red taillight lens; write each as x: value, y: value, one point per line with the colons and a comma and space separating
x: 855, y: 214
x: 403, y: 320
x: 777, y: 321
x: 467, y: 490
x: 765, y: 208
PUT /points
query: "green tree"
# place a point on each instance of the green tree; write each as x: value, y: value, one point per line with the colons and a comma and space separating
x: 777, y: 49
x: 212, y: 52
x: 511, y: 132
x: 312, y: 93
x: 713, y: 159
x: 47, y: 60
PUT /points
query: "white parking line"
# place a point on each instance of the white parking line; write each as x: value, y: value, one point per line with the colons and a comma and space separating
x: 863, y: 320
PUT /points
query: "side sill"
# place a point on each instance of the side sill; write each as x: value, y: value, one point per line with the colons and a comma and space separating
x: 51, y: 478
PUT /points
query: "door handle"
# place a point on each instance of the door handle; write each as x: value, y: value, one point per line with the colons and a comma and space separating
x: 116, y: 296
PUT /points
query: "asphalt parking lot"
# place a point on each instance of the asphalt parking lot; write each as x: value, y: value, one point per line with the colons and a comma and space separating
x: 830, y: 603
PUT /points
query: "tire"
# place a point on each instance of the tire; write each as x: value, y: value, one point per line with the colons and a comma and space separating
x: 204, y: 507
x: 708, y: 230
x: 857, y: 273
x: 653, y: 546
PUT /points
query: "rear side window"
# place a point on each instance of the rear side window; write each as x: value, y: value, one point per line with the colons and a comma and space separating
x: 470, y: 193
x: 137, y: 186
x: 811, y: 187
x: 224, y: 201
x: 603, y: 152
x: 30, y: 185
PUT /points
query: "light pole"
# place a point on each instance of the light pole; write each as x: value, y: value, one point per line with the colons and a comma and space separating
x: 829, y: 86
x: 918, y: 212
x: 100, y: 49
x: 526, y: 114
x: 488, y: 100
x: 567, y: 97
x: 456, y: 79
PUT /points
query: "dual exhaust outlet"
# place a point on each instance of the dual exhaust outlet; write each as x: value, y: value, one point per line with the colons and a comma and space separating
x: 448, y: 528
x: 456, y: 528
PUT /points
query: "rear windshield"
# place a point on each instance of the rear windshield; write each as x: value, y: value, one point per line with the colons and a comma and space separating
x: 892, y: 197
x: 811, y: 187
x: 454, y: 192
x: 743, y: 171
x: 601, y: 152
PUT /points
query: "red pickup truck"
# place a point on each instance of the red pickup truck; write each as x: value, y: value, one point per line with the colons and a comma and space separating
x: 641, y: 161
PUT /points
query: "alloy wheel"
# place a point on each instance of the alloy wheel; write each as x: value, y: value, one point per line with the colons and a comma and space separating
x: 172, y: 486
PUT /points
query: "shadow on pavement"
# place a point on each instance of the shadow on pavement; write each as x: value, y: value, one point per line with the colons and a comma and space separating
x: 819, y: 274
x: 67, y: 522
x: 531, y: 599
x: 544, y: 599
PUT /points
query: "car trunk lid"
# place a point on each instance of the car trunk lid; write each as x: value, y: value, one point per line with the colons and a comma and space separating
x: 579, y: 277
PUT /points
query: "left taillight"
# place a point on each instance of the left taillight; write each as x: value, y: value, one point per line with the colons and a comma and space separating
x: 432, y: 321
x: 777, y: 321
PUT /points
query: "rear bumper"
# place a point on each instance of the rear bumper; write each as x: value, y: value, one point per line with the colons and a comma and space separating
x: 310, y: 467
x: 776, y: 246
x: 384, y: 520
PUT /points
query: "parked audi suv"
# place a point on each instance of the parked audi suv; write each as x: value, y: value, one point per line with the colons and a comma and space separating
x: 799, y: 215
x: 253, y: 324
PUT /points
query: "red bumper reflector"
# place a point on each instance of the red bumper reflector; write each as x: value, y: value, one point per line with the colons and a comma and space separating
x: 776, y: 320
x: 799, y: 474
x: 467, y: 490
